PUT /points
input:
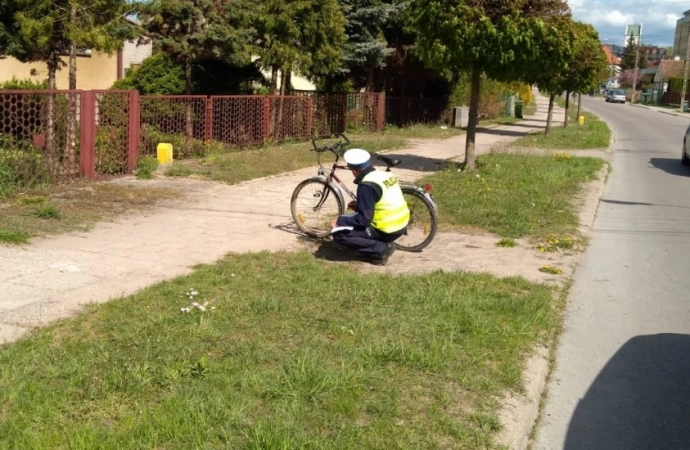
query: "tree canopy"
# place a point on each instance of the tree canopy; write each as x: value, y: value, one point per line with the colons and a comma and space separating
x: 508, y: 40
x: 188, y: 30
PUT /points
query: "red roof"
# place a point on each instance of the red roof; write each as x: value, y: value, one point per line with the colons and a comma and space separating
x: 610, y: 57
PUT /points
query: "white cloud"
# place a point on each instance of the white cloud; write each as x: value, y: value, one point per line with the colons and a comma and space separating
x: 609, y: 17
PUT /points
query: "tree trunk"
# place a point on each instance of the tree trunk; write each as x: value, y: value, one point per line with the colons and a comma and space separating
x: 51, y: 157
x: 370, y: 79
x: 470, y: 140
x: 274, y: 80
x: 71, y: 144
x: 567, y: 107
x: 188, y: 108
x: 549, y: 117
x: 579, y: 106
x: 288, y: 82
x: 283, y: 80
x: 279, y: 124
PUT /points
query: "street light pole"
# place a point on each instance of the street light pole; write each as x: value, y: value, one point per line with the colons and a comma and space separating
x: 685, y: 75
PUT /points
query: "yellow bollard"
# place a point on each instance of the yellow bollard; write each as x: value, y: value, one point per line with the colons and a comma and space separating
x: 581, y: 120
x: 164, y: 153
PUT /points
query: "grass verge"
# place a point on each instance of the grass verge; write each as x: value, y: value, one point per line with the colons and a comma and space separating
x: 594, y: 134
x: 268, y: 361
x: 514, y: 195
x: 243, y: 165
x: 72, y: 207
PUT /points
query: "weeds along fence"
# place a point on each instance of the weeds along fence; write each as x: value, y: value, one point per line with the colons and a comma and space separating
x: 53, y: 136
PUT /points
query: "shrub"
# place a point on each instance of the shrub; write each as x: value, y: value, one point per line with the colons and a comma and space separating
x: 24, y: 85
x: 490, y: 98
x: 21, y: 165
x: 146, y: 166
x: 525, y: 94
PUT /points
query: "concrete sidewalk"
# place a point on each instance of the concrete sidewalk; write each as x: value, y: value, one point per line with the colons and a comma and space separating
x: 669, y: 111
x: 51, y: 277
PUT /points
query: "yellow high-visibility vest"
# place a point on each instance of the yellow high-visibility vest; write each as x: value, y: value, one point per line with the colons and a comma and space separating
x: 390, y: 212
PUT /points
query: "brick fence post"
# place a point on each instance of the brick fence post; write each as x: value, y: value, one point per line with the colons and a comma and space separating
x: 134, y: 130
x: 87, y: 146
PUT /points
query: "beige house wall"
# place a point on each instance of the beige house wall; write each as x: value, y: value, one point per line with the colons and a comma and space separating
x: 96, y: 72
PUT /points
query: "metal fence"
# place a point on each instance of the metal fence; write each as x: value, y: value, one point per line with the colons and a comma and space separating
x: 47, y: 136
x: 673, y: 98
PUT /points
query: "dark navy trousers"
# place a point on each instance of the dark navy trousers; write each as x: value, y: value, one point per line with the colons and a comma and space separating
x: 368, y: 241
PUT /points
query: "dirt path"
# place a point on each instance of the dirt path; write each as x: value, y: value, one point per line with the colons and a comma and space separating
x: 52, y: 277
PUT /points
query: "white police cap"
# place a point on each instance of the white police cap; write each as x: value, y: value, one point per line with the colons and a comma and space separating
x: 357, y: 158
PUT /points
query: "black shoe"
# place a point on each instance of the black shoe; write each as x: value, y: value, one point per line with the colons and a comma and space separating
x: 383, y: 260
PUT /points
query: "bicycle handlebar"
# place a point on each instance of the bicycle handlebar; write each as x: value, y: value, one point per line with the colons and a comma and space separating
x: 333, y: 148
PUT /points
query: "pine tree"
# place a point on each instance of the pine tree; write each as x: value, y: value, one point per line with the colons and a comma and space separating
x: 366, y: 48
x: 629, y: 55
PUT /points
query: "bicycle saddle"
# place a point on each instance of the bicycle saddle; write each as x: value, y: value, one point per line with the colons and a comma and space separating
x: 389, y: 162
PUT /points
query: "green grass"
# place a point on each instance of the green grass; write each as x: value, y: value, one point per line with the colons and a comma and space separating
x: 290, y: 353
x: 77, y: 206
x: 235, y: 167
x: 9, y: 236
x: 146, y: 166
x: 514, y: 195
x: 46, y: 212
x: 423, y: 131
x: 594, y: 134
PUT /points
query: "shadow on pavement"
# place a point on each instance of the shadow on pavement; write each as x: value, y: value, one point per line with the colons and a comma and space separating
x: 640, y: 400
x: 622, y: 202
x: 672, y: 166
x: 500, y: 132
x: 330, y: 251
x: 289, y: 227
x: 414, y: 162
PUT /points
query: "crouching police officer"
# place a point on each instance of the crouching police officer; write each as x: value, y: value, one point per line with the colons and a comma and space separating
x: 381, y: 211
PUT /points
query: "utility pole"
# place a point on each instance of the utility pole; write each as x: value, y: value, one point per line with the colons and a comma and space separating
x: 637, y: 61
x: 685, y: 74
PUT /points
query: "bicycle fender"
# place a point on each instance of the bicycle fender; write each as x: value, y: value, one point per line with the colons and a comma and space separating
x: 333, y: 186
x: 423, y: 192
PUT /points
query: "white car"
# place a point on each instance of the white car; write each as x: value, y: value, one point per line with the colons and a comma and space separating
x: 685, y: 155
x: 615, y: 96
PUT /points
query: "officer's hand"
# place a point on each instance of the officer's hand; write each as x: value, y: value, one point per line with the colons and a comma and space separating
x: 352, y: 205
x: 333, y: 223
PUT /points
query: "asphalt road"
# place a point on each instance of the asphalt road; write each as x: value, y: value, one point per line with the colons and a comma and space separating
x: 622, y: 379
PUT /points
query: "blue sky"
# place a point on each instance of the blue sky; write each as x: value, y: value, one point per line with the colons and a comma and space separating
x: 609, y: 17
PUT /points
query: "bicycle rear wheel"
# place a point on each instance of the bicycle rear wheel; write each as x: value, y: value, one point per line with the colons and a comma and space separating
x: 423, y: 221
x: 314, y: 204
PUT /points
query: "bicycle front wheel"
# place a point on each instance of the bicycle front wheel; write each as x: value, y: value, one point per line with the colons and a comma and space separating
x: 423, y: 221
x: 314, y: 204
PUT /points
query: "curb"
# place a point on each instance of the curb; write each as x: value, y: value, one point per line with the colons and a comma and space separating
x: 520, y: 413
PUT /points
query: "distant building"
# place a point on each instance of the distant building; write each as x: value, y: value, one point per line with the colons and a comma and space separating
x: 654, y: 54
x: 613, y: 58
x: 680, y: 43
x: 94, y: 70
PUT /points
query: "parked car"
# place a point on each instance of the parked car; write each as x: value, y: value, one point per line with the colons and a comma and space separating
x: 685, y: 154
x: 615, y: 96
